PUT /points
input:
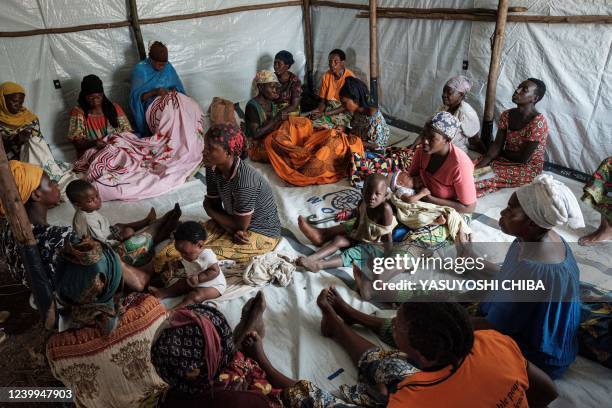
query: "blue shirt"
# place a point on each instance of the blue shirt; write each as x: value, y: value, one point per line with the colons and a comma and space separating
x: 546, y: 331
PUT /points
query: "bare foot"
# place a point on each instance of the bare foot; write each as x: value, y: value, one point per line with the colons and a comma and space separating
x: 330, y: 321
x: 340, y: 306
x: 440, y: 220
x: 251, y: 319
x: 603, y: 233
x: 463, y: 237
x: 252, y: 346
x: 308, y: 263
x: 152, y: 216
x: 312, y: 233
x: 159, y: 293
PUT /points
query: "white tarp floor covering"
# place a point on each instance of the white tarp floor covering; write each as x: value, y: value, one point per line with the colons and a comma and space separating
x: 293, y: 341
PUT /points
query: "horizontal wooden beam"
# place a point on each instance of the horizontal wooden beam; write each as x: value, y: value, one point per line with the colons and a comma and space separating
x: 157, y: 20
x: 483, y: 11
x: 587, y: 19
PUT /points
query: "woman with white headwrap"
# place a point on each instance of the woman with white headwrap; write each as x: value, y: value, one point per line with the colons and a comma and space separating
x: 545, y: 323
x: 453, y: 98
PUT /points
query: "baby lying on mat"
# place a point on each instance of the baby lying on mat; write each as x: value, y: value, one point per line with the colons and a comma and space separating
x: 414, y: 213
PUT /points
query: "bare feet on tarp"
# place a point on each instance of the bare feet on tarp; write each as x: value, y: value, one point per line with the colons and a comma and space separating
x: 312, y: 233
x: 603, y: 233
x: 308, y: 263
x: 343, y: 309
x: 330, y: 322
x: 251, y: 319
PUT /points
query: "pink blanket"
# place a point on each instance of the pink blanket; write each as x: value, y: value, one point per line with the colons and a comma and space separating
x: 129, y: 168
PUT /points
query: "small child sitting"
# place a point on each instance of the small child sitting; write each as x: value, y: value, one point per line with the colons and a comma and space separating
x: 202, y: 279
x: 374, y: 225
x: 135, y: 248
x: 414, y: 213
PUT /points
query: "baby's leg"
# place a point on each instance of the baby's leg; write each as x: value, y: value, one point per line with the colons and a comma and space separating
x: 198, y: 295
x: 180, y: 287
x: 440, y: 220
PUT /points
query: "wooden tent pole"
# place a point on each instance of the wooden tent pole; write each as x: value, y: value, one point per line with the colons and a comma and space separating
x: 498, y: 45
x: 373, y: 54
x: 135, y: 24
x: 21, y: 228
x: 308, y: 45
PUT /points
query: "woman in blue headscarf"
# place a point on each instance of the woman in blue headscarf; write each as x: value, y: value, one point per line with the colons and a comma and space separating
x: 151, y: 78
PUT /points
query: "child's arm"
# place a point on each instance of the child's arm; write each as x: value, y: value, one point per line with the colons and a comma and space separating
x: 416, y: 197
x: 358, y: 214
x: 387, y: 218
x: 207, y: 275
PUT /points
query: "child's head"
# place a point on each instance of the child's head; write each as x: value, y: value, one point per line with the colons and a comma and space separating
x: 375, y: 190
x: 83, y: 195
x: 189, y: 240
x: 433, y: 334
x: 401, y: 179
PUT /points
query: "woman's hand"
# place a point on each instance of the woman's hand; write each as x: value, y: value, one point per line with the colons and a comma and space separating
x: 316, y: 114
x: 241, y: 237
x: 425, y: 192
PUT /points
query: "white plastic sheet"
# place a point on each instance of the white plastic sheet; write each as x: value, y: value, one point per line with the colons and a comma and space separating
x: 215, y: 56
x: 416, y: 57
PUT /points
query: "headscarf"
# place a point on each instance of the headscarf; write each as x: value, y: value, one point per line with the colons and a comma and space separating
x: 23, y: 117
x: 230, y: 137
x: 92, y: 84
x: 27, y: 178
x: 460, y: 83
x: 158, y: 51
x: 444, y: 123
x: 193, y: 348
x: 265, y: 77
x: 86, y: 282
x: 550, y: 203
x: 285, y: 56
x: 356, y: 90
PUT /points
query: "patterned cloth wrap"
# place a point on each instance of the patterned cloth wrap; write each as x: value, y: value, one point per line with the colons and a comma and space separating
x: 375, y: 367
x: 111, y: 370
x: 138, y: 250
x: 198, y: 356
x: 87, y: 279
x: 598, y: 191
x: 594, y: 334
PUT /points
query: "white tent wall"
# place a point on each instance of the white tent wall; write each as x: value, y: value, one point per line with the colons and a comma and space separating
x: 215, y: 56
x: 416, y: 57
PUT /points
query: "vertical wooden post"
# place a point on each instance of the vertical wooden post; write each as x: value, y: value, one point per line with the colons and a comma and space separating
x: 135, y: 24
x: 373, y: 54
x: 498, y: 45
x: 19, y: 222
x: 308, y: 45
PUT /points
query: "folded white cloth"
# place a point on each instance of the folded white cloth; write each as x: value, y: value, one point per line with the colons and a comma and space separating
x: 550, y: 203
x: 271, y: 267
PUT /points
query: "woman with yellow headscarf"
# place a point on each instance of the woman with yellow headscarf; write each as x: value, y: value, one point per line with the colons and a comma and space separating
x: 21, y: 136
x: 39, y: 194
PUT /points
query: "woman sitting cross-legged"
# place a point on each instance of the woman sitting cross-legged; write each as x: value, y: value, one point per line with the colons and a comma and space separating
x: 244, y: 217
x: 517, y: 155
x: 439, y: 359
x: 95, y: 117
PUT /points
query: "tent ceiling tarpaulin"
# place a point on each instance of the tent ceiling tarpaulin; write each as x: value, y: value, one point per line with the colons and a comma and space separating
x: 218, y: 56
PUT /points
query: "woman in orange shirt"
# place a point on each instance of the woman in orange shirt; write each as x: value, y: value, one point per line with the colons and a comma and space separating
x: 441, y: 362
